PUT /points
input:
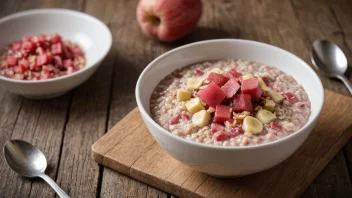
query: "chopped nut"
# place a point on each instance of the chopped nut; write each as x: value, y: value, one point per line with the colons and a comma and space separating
x: 211, y: 110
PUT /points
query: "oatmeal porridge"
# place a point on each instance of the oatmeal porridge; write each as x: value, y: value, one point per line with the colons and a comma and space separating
x: 230, y: 103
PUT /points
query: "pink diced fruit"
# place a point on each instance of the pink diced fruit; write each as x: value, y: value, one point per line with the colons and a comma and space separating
x: 291, y: 97
x: 242, y: 102
x: 11, y: 61
x: 221, y: 136
x: 214, y: 127
x: 218, y: 79
x: 276, y: 126
x: 252, y: 87
x: 233, y: 132
x: 212, y: 95
x: 56, y: 49
x: 222, y: 113
x: 230, y: 88
x: 174, y: 119
x: 43, y: 59
x: 234, y: 74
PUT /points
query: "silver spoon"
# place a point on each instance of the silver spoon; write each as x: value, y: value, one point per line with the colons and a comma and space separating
x: 29, y: 161
x: 330, y: 60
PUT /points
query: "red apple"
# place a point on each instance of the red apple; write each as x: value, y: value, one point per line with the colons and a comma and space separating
x: 168, y: 20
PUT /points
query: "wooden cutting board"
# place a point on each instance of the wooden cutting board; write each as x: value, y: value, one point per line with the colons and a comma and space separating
x: 130, y: 149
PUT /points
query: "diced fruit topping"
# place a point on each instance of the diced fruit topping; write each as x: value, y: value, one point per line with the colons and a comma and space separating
x: 252, y: 87
x: 56, y: 49
x: 235, y: 131
x: 43, y: 59
x: 222, y: 113
x: 194, y: 83
x: 216, y: 70
x: 269, y: 105
x: 276, y: 126
x: 40, y: 57
x: 276, y: 97
x: 247, y: 76
x: 291, y: 97
x: 201, y: 118
x: 221, y: 136
x: 214, y: 127
x: 233, y: 74
x: 218, y: 79
x: 194, y: 105
x: 230, y: 88
x: 262, y: 84
x: 198, y: 72
x: 265, y: 116
x: 252, y: 125
x: 11, y: 61
x: 212, y: 95
x: 242, y: 102
x: 183, y: 95
x: 174, y: 119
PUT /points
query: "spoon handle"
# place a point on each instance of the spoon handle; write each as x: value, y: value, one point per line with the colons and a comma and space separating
x: 346, y: 81
x: 52, y: 183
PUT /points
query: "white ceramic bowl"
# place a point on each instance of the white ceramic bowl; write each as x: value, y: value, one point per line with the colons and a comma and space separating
x: 87, y: 31
x: 228, y: 161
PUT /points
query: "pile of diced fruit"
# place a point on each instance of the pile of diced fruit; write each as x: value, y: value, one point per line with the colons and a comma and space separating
x: 231, y: 104
x: 41, y: 57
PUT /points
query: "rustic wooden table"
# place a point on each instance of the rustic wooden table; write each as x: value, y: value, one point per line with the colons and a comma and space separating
x: 65, y: 128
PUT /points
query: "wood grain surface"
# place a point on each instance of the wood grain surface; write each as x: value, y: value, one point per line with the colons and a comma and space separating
x: 130, y: 149
x: 58, y: 126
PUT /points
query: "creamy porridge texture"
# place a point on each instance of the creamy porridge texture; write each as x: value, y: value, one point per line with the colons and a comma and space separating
x: 230, y: 102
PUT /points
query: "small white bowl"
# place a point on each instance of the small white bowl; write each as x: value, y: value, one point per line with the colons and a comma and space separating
x: 224, y: 161
x: 85, y: 30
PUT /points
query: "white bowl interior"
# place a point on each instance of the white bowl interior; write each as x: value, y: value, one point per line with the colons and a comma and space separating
x: 92, y: 35
x: 231, y: 48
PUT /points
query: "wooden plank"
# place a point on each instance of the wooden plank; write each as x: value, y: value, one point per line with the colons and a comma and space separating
x: 39, y: 122
x: 134, y: 52
x: 288, y: 179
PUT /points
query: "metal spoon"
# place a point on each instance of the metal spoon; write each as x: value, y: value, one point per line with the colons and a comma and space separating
x: 29, y: 161
x: 330, y: 59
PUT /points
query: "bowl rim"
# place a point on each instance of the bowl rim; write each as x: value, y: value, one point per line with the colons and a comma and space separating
x: 267, y: 144
x: 60, y: 11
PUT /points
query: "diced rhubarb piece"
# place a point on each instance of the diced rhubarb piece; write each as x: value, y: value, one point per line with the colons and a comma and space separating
x: 56, y: 49
x: 252, y: 87
x: 43, y: 59
x: 16, y: 45
x: 58, y: 60
x: 40, y: 40
x: 48, y: 68
x: 291, y: 97
x: 11, y: 61
x: 184, y: 116
x: 276, y: 126
x: 212, y: 95
x: 218, y: 79
x: 28, y: 46
x: 233, y: 132
x: 222, y: 113
x: 214, y: 127
x: 67, y: 63
x: 231, y: 88
x: 221, y: 136
x: 234, y: 74
x: 198, y: 72
x: 67, y: 51
x: 40, y: 51
x: 55, y: 38
x: 23, y: 65
x: 242, y: 102
x: 77, y: 52
x: 174, y: 119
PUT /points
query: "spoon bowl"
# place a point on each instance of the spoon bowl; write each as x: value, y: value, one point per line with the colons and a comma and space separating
x: 24, y: 158
x: 29, y: 161
x: 328, y: 58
